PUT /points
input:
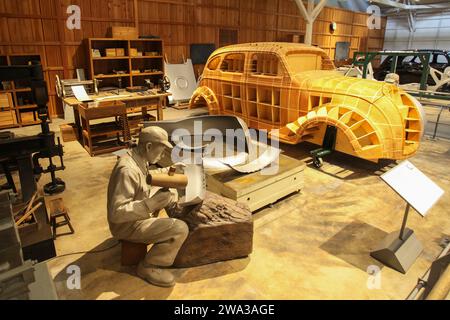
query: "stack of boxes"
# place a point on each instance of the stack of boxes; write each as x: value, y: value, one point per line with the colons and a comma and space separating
x: 115, y: 52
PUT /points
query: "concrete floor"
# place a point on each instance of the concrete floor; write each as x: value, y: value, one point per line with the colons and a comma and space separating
x: 313, y: 245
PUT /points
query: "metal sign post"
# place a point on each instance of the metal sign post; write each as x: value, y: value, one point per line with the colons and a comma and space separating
x: 405, y: 218
x: 400, y: 249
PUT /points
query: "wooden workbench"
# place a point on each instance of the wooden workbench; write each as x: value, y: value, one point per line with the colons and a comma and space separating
x: 134, y: 103
x: 111, y: 136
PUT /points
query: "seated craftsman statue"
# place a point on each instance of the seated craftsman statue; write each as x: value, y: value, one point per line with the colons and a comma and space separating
x: 133, y: 208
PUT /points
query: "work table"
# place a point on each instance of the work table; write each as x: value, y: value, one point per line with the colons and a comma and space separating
x: 120, y: 106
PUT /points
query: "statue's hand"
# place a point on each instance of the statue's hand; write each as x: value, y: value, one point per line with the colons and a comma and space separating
x: 179, y: 166
x: 159, y: 201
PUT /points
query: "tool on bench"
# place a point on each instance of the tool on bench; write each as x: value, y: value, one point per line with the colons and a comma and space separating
x: 29, y: 210
x: 164, y: 84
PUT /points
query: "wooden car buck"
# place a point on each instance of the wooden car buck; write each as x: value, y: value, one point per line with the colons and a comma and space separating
x: 295, y: 88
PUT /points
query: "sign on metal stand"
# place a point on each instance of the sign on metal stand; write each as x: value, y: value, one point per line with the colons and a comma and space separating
x: 400, y: 249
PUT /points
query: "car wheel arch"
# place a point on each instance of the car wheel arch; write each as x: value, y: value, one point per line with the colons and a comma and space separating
x: 208, y: 96
x: 362, y: 134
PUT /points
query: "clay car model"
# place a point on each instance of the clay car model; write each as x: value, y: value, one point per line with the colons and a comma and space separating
x: 295, y: 88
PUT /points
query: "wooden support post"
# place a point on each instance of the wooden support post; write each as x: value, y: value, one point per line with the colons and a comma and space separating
x: 310, y: 14
x: 309, y: 23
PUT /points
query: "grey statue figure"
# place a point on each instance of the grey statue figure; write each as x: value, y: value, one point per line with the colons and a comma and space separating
x: 134, y: 206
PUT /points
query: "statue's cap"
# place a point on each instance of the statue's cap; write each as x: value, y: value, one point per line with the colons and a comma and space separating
x: 155, y: 135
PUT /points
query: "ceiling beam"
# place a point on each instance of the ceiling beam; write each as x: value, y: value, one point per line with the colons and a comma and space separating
x: 318, y: 9
x: 411, y: 19
x: 302, y: 8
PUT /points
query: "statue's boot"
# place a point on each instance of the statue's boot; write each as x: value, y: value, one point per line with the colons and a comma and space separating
x: 155, y: 275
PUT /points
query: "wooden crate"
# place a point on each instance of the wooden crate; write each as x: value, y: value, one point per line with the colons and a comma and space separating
x: 133, y: 52
x: 7, y: 112
x: 68, y: 132
x: 120, y: 52
x: 257, y: 190
x: 111, y: 52
x: 28, y: 117
x: 127, y: 33
x: 7, y: 118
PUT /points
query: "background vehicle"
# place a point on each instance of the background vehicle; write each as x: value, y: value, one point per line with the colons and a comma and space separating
x: 410, y: 68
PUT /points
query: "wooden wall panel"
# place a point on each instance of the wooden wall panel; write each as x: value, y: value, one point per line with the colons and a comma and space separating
x: 326, y: 14
x: 360, y: 19
x: 39, y: 26
x: 267, y: 6
x: 288, y: 7
x: 48, y: 8
x: 342, y: 16
x: 4, y: 31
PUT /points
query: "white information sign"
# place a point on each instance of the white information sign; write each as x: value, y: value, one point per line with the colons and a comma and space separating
x: 413, y: 186
x: 80, y: 93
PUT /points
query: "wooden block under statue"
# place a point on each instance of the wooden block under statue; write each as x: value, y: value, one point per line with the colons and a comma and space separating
x: 132, y: 253
x: 220, y: 229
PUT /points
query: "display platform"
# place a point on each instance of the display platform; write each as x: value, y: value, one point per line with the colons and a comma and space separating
x: 257, y: 190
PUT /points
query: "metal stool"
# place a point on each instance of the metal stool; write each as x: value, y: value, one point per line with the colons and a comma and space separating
x: 58, y: 210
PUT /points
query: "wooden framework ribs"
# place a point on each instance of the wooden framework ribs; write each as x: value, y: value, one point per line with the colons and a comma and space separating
x: 365, y: 133
x: 264, y: 85
x: 204, y: 97
x: 359, y: 131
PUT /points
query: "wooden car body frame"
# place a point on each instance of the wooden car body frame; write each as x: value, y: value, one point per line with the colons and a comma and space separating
x: 295, y: 88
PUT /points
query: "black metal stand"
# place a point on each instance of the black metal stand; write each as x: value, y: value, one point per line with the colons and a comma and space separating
x: 28, y: 151
x: 328, y: 145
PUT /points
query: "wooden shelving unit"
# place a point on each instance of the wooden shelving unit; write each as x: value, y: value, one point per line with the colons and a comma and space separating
x: 103, y: 68
x: 19, y: 111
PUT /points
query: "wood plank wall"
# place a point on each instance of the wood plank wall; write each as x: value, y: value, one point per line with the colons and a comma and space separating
x: 39, y: 26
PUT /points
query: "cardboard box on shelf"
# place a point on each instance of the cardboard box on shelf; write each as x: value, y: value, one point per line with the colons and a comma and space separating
x: 120, y: 52
x: 96, y: 53
x: 111, y: 52
x: 133, y: 52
